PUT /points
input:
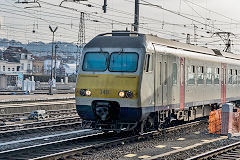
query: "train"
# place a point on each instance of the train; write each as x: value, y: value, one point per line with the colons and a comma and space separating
x: 130, y: 81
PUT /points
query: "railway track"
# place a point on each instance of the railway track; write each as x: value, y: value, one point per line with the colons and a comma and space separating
x: 48, y: 148
x: 84, y: 144
x: 54, y: 124
x: 231, y: 151
x: 15, y: 117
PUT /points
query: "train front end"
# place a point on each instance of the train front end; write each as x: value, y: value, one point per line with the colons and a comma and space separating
x: 107, y: 89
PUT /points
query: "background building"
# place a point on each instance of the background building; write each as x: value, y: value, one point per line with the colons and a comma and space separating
x: 21, y: 56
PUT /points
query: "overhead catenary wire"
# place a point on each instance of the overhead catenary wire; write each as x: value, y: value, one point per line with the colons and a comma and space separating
x: 147, y: 24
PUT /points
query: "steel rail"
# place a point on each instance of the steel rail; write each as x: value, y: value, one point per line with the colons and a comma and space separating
x: 36, y: 125
x: 23, y: 151
x: 216, y: 152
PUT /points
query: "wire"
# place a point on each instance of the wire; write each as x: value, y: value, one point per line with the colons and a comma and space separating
x: 179, y: 14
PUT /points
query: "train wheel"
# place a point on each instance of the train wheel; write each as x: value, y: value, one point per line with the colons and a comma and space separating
x: 147, y: 125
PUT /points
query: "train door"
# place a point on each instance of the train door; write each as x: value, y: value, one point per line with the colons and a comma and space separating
x: 165, y: 80
x: 158, y: 80
x: 161, y: 75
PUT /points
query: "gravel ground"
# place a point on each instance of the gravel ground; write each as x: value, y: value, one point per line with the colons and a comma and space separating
x: 147, y: 148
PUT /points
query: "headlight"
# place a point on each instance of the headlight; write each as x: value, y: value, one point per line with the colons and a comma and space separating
x: 88, y: 93
x: 85, y: 92
x: 121, y: 94
x: 82, y: 92
x: 129, y: 94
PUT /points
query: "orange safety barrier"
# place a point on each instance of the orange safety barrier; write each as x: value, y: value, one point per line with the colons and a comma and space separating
x: 236, y: 121
x: 214, y: 125
x: 224, y: 121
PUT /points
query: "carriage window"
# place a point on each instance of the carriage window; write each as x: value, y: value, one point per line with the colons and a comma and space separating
x: 230, y: 76
x: 209, y: 76
x: 95, y: 61
x: 160, y: 73
x: 191, y: 75
x: 235, y: 77
x: 166, y: 76
x: 200, y: 78
x: 238, y: 77
x: 148, y: 63
x: 216, y: 76
x: 123, y: 62
x: 174, y: 74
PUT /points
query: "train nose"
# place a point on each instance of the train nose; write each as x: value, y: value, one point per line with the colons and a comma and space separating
x: 102, y: 112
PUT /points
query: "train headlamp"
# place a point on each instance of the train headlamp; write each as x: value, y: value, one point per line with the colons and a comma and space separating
x: 85, y: 92
x: 129, y: 94
x: 121, y: 94
x: 82, y: 92
x: 88, y: 93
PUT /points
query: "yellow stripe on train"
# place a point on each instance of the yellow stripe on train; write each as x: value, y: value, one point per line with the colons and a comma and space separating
x: 106, y: 85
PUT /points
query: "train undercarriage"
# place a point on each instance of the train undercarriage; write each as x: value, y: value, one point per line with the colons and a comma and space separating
x: 107, y: 118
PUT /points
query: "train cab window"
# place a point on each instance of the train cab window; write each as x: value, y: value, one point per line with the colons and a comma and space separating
x: 209, y: 75
x: 200, y: 77
x: 191, y: 75
x: 174, y: 74
x: 230, y: 76
x: 216, y: 75
x: 123, y: 62
x: 95, y: 61
x: 148, y: 63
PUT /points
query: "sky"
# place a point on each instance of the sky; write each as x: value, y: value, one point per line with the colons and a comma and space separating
x: 171, y: 19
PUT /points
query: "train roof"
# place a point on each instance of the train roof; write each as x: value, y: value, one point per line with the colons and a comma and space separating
x: 117, y: 40
x: 190, y: 47
x: 122, y: 39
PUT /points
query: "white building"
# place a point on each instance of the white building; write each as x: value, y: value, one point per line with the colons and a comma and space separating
x: 70, y: 69
x: 18, y: 55
x: 11, y: 74
x: 9, y: 67
x: 26, y: 63
x: 47, y: 65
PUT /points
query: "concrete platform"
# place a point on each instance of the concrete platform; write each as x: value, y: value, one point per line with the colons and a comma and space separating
x: 15, y: 104
x: 34, y: 97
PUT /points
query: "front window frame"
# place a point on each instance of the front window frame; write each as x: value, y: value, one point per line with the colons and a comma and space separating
x: 96, y: 69
x: 108, y: 62
x: 127, y: 69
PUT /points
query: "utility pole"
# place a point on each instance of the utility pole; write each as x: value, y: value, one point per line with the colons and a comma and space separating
x: 81, y: 38
x: 104, y: 7
x: 136, y: 16
x: 55, y: 65
x: 51, y: 77
x: 225, y: 36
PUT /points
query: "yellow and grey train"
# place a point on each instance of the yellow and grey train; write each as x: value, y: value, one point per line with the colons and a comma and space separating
x: 131, y: 81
